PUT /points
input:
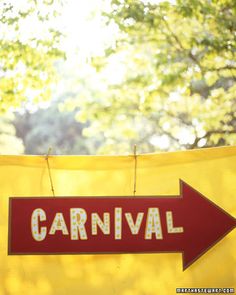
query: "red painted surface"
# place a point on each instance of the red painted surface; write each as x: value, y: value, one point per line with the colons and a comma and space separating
x: 204, y: 225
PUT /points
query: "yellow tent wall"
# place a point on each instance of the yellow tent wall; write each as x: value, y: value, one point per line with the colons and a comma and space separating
x: 211, y: 171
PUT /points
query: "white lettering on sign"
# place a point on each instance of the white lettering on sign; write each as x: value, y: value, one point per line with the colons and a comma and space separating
x: 153, y: 224
x: 58, y: 224
x: 134, y: 227
x: 170, y: 228
x: 38, y: 234
x: 118, y: 223
x: 78, y: 219
x: 103, y: 225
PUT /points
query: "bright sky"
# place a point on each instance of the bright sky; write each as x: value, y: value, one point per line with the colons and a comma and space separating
x: 83, y: 23
x: 86, y: 33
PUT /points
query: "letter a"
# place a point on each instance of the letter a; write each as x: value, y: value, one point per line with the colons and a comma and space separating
x: 153, y: 224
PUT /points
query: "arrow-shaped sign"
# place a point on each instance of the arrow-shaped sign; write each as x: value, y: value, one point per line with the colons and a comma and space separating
x: 189, y: 223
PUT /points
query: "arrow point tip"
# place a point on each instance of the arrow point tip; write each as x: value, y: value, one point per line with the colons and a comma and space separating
x: 186, y: 261
x: 211, y: 230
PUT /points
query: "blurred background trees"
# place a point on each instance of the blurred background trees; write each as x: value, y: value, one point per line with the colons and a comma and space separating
x: 49, y: 127
x: 165, y: 79
x: 96, y: 77
x: 179, y: 71
x: 29, y: 42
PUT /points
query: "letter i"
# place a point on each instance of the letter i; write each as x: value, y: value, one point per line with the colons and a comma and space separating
x: 118, y: 223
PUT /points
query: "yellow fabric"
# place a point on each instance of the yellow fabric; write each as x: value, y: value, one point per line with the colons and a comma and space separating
x: 210, y: 171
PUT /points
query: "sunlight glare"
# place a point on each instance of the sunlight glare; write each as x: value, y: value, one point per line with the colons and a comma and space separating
x: 86, y: 33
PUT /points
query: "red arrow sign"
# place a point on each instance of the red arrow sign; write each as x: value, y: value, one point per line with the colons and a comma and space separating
x: 190, y: 224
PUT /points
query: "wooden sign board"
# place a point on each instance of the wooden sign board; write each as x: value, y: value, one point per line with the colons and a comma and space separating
x: 188, y: 223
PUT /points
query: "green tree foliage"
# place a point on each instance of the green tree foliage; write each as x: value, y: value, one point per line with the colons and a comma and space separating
x: 178, y: 89
x: 49, y: 127
x: 29, y: 42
